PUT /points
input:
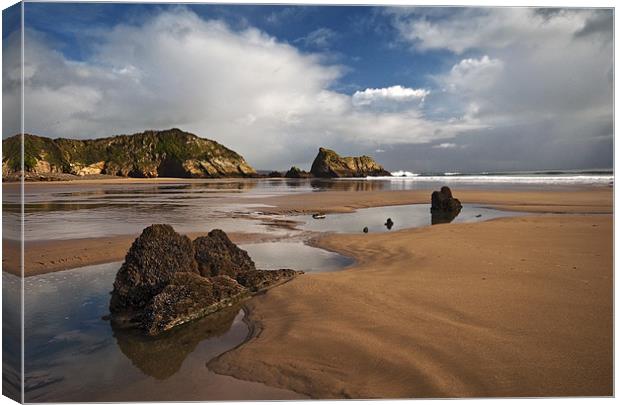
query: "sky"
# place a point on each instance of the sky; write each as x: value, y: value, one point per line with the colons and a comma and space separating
x: 439, y: 89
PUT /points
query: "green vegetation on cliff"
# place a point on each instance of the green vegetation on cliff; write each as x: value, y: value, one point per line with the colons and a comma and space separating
x: 169, y: 153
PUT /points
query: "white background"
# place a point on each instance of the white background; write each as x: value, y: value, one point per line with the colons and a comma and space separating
x: 565, y: 3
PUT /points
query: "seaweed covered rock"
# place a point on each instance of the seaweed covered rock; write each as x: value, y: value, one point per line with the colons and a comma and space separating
x: 257, y: 280
x: 443, y: 201
x: 154, y: 257
x: 189, y: 296
x: 168, y: 280
x: 217, y: 255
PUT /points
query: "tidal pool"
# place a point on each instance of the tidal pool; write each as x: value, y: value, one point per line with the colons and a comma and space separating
x: 295, y: 255
x: 72, y: 354
x: 403, y: 216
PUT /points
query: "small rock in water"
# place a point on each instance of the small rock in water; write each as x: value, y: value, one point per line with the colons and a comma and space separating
x: 365, y: 230
x: 478, y: 216
x: 389, y: 223
x: 443, y: 201
x: 444, y: 207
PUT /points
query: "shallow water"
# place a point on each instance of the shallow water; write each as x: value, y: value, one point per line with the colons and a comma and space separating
x: 295, y: 255
x: 74, y: 355
x: 403, y: 216
x: 65, y: 211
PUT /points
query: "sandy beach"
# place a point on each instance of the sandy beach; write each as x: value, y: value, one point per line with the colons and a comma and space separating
x: 513, y: 307
x: 516, y: 306
x: 49, y: 256
x: 579, y: 200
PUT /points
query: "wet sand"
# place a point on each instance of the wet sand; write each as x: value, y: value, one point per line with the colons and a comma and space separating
x: 49, y: 256
x: 580, y: 200
x: 510, y: 307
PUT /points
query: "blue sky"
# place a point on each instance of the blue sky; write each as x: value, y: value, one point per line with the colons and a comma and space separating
x: 361, y: 38
x: 421, y: 89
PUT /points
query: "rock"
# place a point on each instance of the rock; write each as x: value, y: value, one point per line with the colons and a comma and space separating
x: 189, y: 296
x: 329, y: 164
x: 444, y: 207
x: 168, y: 153
x: 154, y: 257
x: 168, y: 280
x: 389, y: 223
x: 365, y: 230
x: 95, y: 168
x: 258, y: 280
x: 444, y: 202
x: 217, y: 255
x: 296, y: 173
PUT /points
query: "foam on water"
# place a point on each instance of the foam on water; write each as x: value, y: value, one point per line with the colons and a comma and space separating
x: 503, y: 179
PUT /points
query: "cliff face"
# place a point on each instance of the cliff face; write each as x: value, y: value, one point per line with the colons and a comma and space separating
x: 329, y: 164
x: 169, y: 153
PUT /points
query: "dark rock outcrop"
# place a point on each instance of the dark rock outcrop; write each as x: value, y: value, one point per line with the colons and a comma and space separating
x: 189, y: 296
x: 443, y: 201
x: 257, y: 280
x: 154, y: 257
x: 168, y: 280
x: 296, y: 173
x: 444, y: 207
x: 217, y: 255
x: 169, y: 153
x: 329, y: 164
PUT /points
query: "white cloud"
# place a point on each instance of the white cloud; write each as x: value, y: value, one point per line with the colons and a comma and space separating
x: 393, y: 93
x: 245, y: 89
x: 275, y: 105
x: 487, y: 28
x: 445, y: 145
x: 319, y: 38
x: 522, y: 65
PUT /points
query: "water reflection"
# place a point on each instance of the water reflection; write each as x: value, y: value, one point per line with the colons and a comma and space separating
x: 162, y: 356
x: 295, y: 255
x: 401, y: 217
x: 72, y: 354
x: 441, y: 217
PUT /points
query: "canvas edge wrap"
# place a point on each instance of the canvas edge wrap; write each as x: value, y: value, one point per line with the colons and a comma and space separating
x: 13, y: 208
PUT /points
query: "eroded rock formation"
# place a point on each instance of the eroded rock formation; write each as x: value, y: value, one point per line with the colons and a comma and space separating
x: 296, y: 173
x: 329, y: 164
x: 168, y: 280
x: 444, y: 207
x: 169, y: 153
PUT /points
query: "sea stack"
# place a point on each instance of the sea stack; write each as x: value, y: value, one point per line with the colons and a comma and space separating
x: 329, y: 164
x: 296, y: 173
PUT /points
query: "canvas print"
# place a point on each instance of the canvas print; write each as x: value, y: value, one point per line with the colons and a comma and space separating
x: 265, y: 202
